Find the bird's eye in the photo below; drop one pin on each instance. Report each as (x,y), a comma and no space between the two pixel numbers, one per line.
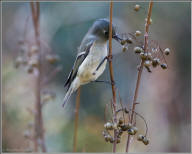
(106,33)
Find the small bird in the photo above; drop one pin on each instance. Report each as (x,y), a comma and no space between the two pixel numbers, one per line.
(91,58)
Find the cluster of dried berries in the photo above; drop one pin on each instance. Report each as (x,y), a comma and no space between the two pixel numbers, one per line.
(143,139)
(125,42)
(150,60)
(30,57)
(123,127)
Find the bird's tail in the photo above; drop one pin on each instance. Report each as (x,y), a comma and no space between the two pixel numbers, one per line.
(67,96)
(73,87)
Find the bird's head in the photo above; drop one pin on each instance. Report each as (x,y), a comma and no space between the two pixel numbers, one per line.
(100,29)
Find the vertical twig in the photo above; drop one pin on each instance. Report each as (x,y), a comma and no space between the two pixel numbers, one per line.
(39,130)
(112,76)
(140,69)
(76,120)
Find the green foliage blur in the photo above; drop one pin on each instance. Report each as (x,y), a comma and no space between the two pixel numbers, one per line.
(164,95)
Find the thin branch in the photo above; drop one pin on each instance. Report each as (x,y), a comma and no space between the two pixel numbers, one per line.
(112,76)
(39,130)
(76,120)
(140,69)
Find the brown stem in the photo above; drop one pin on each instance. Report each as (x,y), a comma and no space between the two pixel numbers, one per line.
(39,130)
(112,76)
(76,120)
(140,69)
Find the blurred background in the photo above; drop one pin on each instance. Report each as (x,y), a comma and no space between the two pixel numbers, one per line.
(164,95)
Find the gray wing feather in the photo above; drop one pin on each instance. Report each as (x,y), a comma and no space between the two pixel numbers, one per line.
(82,54)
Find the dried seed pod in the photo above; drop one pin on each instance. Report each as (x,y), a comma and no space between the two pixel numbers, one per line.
(155,62)
(140,137)
(119,132)
(143,56)
(52,58)
(147,63)
(34,62)
(135,129)
(145,141)
(104,133)
(137,7)
(129,125)
(33,50)
(150,21)
(131,131)
(149,56)
(18,61)
(115,126)
(129,40)
(111,140)
(124,48)
(138,50)
(167,51)
(164,66)
(29,69)
(120,121)
(118,140)
(123,42)
(107,138)
(124,127)
(108,126)
(137,33)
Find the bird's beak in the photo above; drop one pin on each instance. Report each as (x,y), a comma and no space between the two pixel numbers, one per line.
(117,38)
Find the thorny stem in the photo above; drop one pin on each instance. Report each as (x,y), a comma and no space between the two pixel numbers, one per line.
(76,120)
(112,76)
(140,69)
(39,130)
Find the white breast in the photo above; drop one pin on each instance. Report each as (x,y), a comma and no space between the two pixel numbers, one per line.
(87,70)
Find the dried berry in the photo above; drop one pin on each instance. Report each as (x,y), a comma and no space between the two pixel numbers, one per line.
(33,50)
(137,33)
(140,137)
(131,131)
(123,42)
(137,7)
(120,121)
(119,132)
(129,40)
(124,48)
(167,51)
(147,63)
(30,69)
(108,126)
(19,61)
(155,62)
(52,58)
(145,141)
(111,140)
(129,125)
(149,56)
(138,50)
(107,138)
(124,127)
(143,56)
(34,62)
(135,129)
(164,66)
(118,140)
